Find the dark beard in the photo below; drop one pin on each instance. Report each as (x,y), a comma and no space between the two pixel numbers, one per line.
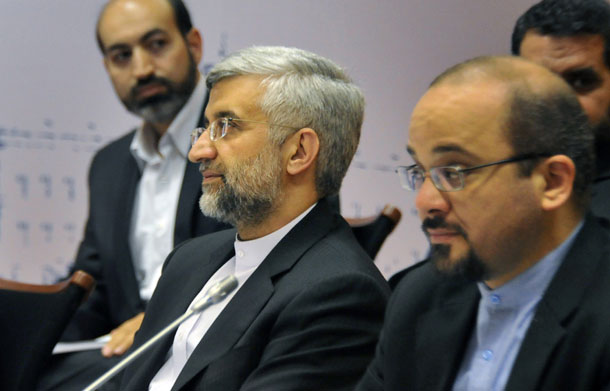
(162,108)
(470,267)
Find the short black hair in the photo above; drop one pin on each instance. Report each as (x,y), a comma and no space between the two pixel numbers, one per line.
(181,16)
(565,18)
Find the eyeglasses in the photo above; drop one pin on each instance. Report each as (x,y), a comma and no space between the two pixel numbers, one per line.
(220,126)
(448,178)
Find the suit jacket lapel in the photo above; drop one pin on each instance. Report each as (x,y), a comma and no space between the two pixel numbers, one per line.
(442,335)
(188,203)
(250,300)
(559,301)
(124,263)
(171,307)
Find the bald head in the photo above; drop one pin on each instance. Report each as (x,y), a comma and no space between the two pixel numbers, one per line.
(535,109)
(513,72)
(180,14)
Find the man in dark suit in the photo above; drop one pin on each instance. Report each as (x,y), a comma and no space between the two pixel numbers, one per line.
(137,212)
(143,191)
(283,127)
(515,293)
(572,39)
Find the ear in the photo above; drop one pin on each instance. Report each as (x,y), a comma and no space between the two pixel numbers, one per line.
(558,173)
(194,42)
(303,148)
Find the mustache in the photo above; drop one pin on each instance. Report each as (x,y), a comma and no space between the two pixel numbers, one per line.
(151,80)
(439,222)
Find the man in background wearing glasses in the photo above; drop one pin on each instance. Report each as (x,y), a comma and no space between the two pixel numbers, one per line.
(281,128)
(515,293)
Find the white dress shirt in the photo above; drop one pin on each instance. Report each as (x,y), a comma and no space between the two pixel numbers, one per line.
(248,256)
(151,236)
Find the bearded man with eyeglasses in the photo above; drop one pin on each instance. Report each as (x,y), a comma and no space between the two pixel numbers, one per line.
(281,128)
(515,293)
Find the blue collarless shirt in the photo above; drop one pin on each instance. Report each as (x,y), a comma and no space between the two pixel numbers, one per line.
(504,315)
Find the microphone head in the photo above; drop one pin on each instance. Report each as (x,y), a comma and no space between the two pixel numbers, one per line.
(216,293)
(222,288)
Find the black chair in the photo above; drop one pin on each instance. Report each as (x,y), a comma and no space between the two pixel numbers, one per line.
(372,231)
(32,319)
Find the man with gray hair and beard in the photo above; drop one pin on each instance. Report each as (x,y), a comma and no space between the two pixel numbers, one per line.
(281,128)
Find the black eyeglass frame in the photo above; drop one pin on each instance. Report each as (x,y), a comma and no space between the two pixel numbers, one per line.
(403,172)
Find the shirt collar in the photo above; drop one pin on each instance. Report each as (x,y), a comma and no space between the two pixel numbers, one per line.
(178,135)
(532,283)
(251,253)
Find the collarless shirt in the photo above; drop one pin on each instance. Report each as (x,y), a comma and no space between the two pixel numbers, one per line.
(503,317)
(248,256)
(151,236)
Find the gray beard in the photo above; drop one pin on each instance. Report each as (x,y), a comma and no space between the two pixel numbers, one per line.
(250,191)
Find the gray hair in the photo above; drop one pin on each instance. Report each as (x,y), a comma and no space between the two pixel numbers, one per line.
(304,90)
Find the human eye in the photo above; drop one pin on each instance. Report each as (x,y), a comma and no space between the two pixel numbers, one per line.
(450,172)
(448,177)
(583,81)
(119,56)
(232,123)
(156,44)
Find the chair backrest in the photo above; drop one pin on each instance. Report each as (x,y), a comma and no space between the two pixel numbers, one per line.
(32,319)
(372,231)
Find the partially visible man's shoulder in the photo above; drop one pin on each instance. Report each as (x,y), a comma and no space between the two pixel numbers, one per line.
(120,145)
(193,249)
(113,158)
(208,241)
(421,274)
(397,277)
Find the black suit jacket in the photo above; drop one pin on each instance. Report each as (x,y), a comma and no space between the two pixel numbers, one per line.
(104,251)
(306,319)
(567,346)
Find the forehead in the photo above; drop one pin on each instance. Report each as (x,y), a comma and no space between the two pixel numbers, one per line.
(561,54)
(125,21)
(236,96)
(462,119)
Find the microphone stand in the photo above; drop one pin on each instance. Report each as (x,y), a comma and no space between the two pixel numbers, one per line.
(214,295)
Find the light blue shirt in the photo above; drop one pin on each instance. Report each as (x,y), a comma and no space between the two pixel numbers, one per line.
(503,318)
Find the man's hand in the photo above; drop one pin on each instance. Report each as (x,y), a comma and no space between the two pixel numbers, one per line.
(121,338)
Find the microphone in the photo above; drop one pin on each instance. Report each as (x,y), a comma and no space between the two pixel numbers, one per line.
(215,294)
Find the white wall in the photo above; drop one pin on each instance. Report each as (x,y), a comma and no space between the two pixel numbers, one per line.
(57,106)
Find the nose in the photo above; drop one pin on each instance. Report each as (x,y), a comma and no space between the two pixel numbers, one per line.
(203,149)
(430,201)
(142,61)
